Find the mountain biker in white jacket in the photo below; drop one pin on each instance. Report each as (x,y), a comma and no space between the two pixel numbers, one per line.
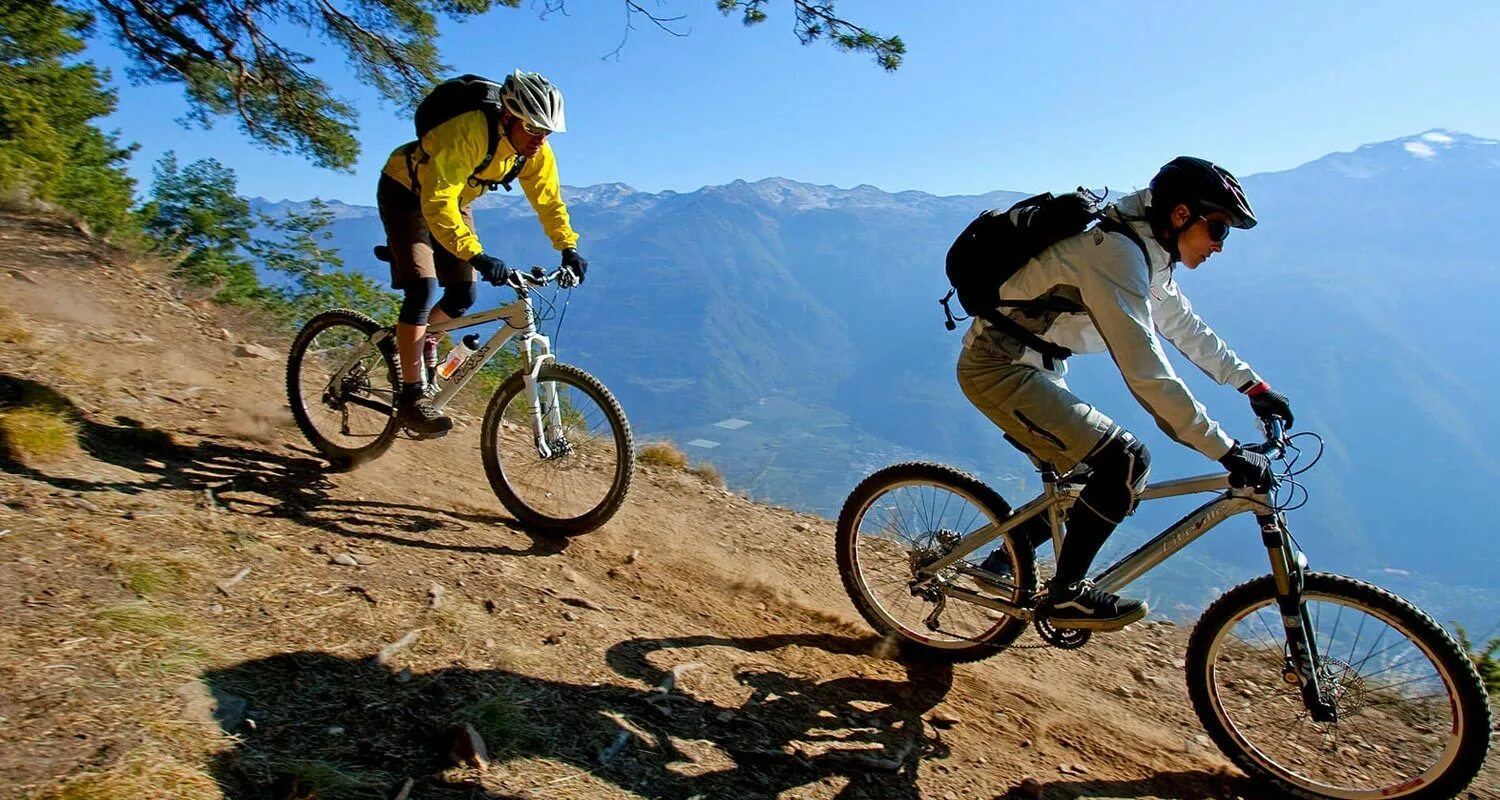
(1120,302)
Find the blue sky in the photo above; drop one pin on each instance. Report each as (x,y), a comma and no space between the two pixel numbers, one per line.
(993,95)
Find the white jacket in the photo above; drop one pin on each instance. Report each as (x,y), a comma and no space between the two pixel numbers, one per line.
(1128,301)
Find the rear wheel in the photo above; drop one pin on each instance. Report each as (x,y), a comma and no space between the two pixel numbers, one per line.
(351,420)
(907,516)
(1413,720)
(580,481)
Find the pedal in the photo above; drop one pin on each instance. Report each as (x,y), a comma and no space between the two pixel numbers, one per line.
(1061,638)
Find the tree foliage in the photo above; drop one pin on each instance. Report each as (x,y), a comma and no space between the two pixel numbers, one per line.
(233,59)
(49,147)
(314,275)
(1486,660)
(196,215)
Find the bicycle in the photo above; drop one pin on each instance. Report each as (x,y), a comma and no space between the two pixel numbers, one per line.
(1320,684)
(554,441)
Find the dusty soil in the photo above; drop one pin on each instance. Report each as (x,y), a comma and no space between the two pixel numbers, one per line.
(140,659)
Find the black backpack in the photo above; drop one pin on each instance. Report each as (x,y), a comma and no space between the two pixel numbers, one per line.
(998,243)
(459,96)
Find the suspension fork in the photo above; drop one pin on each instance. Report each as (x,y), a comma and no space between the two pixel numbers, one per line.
(1288,566)
(534,362)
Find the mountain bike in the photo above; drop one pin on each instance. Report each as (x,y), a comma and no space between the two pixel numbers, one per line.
(555,444)
(1320,684)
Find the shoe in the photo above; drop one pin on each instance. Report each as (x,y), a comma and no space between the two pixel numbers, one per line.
(1080,605)
(998,573)
(417,415)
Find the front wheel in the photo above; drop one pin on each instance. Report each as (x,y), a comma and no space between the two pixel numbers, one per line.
(1413,719)
(572,477)
(907,516)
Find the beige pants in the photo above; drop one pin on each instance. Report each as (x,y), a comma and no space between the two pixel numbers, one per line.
(1032,405)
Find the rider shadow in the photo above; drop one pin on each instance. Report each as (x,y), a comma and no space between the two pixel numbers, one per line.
(242,479)
(326,724)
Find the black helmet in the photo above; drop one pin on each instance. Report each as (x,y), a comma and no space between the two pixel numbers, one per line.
(1204,186)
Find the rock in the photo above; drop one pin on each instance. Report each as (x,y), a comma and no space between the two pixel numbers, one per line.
(635,555)
(434,596)
(397,646)
(950,795)
(580,602)
(468,749)
(228,583)
(226,335)
(82,227)
(404,676)
(79,502)
(570,616)
(23,277)
(944,719)
(800,527)
(216,609)
(335,730)
(405,791)
(1072,769)
(1025,743)
(725,716)
(1124,691)
(252,350)
(345,559)
(1029,788)
(490,606)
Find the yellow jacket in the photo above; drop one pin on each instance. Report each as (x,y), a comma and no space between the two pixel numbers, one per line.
(442,167)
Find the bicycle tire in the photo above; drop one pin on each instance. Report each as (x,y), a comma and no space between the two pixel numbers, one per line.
(531,517)
(910,641)
(1462,757)
(338,454)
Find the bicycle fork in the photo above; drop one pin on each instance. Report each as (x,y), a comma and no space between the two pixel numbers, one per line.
(1288,566)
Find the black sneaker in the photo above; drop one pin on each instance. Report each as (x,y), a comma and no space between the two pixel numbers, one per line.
(417,415)
(998,573)
(1083,606)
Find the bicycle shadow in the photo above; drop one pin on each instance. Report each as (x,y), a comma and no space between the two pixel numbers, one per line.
(244,479)
(389,726)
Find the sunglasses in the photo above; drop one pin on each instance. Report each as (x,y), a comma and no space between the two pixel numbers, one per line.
(532,130)
(1218,230)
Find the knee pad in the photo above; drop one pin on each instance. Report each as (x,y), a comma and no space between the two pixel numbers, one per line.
(458,298)
(417,302)
(1121,466)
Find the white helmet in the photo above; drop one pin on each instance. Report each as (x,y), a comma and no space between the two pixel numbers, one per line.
(535,100)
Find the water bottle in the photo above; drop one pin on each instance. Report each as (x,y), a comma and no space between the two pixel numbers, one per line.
(458,355)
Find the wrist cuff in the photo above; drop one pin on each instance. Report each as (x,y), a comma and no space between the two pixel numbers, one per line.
(1257,388)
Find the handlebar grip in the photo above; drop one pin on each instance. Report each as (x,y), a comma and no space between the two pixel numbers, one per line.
(1275,427)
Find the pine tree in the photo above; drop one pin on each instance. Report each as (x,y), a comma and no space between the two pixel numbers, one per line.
(49,148)
(315,278)
(195,214)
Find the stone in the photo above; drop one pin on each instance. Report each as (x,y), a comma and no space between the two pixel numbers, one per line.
(1029,788)
(1124,691)
(23,277)
(346,560)
(468,748)
(944,719)
(635,555)
(253,350)
(570,616)
(434,596)
(580,602)
(800,527)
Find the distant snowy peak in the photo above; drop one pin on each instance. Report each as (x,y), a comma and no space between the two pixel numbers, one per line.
(1436,146)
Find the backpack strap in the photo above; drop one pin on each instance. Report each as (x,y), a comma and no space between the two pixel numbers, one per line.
(492,118)
(1112,225)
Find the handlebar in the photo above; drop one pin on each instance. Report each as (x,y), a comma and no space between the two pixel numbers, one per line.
(535,277)
(1275,444)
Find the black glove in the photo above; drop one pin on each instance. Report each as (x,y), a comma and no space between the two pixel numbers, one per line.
(490,268)
(1246,468)
(575,263)
(1270,403)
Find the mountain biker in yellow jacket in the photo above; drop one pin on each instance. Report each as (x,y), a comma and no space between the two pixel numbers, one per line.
(425,195)
(1125,296)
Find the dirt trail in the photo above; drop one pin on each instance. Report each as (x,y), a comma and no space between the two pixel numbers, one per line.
(138,654)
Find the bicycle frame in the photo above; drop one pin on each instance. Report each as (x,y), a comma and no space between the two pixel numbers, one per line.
(1287,563)
(517,319)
